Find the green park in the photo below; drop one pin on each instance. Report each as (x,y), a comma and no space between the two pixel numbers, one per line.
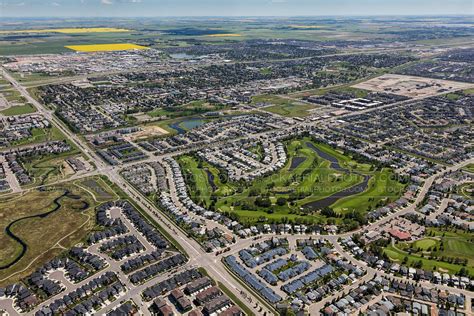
(308,189)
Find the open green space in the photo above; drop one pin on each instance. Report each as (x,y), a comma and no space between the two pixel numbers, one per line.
(470,167)
(443,251)
(189,109)
(466,190)
(48,168)
(197,175)
(282,196)
(19,110)
(358,93)
(284,106)
(383,188)
(39,135)
(70,220)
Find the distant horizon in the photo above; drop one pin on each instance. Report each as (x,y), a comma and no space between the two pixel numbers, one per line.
(239,16)
(231,8)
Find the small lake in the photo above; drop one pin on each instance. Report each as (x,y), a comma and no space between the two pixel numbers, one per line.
(182,126)
(296,161)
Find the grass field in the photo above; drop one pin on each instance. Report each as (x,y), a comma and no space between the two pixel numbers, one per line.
(189,109)
(39,135)
(470,167)
(198,176)
(467,190)
(47,236)
(19,110)
(450,245)
(359,93)
(291,109)
(383,188)
(49,168)
(312,180)
(104,47)
(69,30)
(284,106)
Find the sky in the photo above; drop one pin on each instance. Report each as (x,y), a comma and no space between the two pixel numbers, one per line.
(156,8)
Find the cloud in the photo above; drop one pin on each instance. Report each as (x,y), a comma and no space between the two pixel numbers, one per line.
(107,2)
(55,4)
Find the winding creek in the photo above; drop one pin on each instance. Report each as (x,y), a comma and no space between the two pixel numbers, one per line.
(24,246)
(328,201)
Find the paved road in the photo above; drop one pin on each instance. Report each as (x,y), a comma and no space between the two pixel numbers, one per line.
(198,257)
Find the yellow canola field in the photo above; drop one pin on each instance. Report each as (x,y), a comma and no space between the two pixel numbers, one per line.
(225,35)
(70,30)
(104,47)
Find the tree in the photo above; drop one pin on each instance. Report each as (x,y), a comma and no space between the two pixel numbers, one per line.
(263,201)
(281,201)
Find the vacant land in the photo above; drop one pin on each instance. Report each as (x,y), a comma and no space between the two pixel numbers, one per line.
(97,187)
(104,47)
(67,215)
(291,109)
(49,168)
(284,106)
(411,86)
(19,110)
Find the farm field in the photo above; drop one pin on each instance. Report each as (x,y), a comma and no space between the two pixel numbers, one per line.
(68,30)
(67,216)
(444,251)
(53,43)
(295,193)
(104,47)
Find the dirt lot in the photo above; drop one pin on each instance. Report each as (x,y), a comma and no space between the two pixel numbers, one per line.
(411,86)
(147,131)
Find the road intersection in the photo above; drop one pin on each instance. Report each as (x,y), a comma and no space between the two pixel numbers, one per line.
(197,255)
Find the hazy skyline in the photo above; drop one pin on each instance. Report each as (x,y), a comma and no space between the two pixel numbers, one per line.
(150,8)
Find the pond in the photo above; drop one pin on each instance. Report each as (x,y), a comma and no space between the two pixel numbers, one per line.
(355,189)
(182,126)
